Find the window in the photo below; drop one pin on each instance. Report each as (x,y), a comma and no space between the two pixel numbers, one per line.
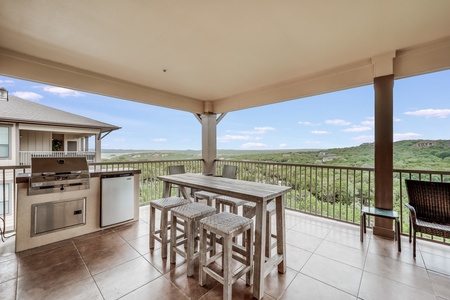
(7,202)
(4,142)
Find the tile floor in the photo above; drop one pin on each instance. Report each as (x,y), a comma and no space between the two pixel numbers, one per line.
(325,260)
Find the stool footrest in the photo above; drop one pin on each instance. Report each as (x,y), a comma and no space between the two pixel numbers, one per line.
(272,263)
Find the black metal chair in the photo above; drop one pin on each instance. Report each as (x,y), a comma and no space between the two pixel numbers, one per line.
(429,209)
(173,170)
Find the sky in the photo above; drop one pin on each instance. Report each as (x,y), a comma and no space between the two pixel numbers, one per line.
(333,120)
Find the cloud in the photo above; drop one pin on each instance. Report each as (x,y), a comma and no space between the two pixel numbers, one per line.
(283,145)
(267,128)
(159,140)
(7,81)
(28,96)
(258,130)
(430,113)
(337,122)
(319,132)
(118,140)
(364,138)
(370,121)
(405,136)
(229,137)
(357,128)
(62,92)
(254,146)
(307,123)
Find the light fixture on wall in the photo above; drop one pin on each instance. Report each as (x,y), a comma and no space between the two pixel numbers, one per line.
(3,94)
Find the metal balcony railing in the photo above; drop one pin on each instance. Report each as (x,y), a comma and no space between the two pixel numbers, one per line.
(327,191)
(25,156)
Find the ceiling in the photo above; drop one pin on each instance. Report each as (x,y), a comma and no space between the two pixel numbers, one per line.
(219,56)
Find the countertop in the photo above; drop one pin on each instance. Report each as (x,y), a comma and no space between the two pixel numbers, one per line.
(24,177)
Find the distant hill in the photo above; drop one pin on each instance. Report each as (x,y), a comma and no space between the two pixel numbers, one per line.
(408,154)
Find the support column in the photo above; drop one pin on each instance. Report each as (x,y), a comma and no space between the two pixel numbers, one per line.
(86,143)
(384,141)
(98,148)
(209,142)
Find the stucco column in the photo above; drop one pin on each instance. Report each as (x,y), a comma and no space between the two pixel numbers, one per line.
(384,142)
(209,142)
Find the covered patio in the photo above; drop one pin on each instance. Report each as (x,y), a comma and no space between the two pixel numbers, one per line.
(215,58)
(325,261)
(211,59)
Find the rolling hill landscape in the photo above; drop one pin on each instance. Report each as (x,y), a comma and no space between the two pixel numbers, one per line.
(408,154)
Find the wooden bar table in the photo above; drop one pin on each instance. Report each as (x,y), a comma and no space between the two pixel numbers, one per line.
(260,193)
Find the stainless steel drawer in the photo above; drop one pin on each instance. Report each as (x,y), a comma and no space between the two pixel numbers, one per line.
(57,215)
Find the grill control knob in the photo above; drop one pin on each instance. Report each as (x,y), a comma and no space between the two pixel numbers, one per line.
(61,188)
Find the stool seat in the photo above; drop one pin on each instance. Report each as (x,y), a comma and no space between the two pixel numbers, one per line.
(205,195)
(164,205)
(232,202)
(225,222)
(190,213)
(226,225)
(169,202)
(193,210)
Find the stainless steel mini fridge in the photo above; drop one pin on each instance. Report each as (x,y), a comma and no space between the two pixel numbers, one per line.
(117,199)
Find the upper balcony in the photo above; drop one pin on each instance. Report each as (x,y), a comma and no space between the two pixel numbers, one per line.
(25,156)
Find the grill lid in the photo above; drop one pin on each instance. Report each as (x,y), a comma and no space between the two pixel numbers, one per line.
(58,165)
(57,174)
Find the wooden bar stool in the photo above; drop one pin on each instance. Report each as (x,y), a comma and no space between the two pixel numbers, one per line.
(164,205)
(231,202)
(190,214)
(249,212)
(205,195)
(228,226)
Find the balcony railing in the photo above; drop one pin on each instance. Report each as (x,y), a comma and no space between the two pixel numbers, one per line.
(25,156)
(327,191)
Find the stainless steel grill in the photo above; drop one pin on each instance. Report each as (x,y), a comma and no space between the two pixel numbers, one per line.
(58,174)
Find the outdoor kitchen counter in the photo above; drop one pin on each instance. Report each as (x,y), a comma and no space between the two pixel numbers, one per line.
(105,172)
(25,241)
(25,177)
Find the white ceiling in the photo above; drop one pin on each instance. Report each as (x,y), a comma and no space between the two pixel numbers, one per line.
(211,50)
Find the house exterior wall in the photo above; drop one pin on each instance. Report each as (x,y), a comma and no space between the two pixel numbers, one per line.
(34,137)
(35,140)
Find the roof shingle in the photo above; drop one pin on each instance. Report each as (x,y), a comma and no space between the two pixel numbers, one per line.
(18,110)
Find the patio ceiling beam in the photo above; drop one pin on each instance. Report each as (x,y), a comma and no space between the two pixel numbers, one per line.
(420,59)
(31,68)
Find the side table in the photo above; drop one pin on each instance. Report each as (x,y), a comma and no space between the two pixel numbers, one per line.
(383,213)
